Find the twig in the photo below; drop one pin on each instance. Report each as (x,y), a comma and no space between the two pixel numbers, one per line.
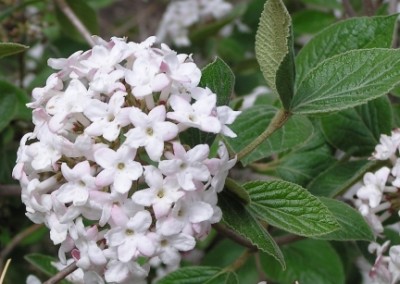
(369,7)
(62,274)
(284,240)
(225,231)
(3,274)
(10,190)
(348,9)
(393,6)
(393,10)
(239,261)
(75,21)
(16,240)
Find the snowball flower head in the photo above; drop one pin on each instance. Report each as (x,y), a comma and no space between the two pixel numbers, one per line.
(105,167)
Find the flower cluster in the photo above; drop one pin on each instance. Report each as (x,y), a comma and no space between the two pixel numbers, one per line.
(377,200)
(105,169)
(181,15)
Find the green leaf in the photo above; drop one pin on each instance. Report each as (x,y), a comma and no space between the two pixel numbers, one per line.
(324,3)
(8,103)
(311,21)
(10,48)
(339,177)
(7,156)
(274,49)
(226,252)
(42,262)
(352,225)
(86,15)
(357,130)
(308,262)
(219,78)
(239,218)
(302,165)
(228,277)
(253,121)
(22,112)
(196,275)
(290,207)
(355,33)
(347,80)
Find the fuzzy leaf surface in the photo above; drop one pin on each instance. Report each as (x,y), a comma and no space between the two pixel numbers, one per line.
(347,80)
(355,33)
(290,207)
(274,49)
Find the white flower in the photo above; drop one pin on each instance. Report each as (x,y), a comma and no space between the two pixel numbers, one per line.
(185,212)
(186,166)
(90,254)
(387,146)
(131,239)
(79,182)
(374,186)
(394,263)
(73,100)
(200,115)
(107,118)
(145,77)
(161,194)
(169,247)
(219,168)
(119,168)
(227,116)
(150,131)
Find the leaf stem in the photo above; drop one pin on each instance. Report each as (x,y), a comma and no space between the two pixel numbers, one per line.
(69,13)
(240,261)
(237,190)
(62,274)
(277,122)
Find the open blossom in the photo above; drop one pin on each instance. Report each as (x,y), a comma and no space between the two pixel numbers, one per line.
(377,201)
(104,168)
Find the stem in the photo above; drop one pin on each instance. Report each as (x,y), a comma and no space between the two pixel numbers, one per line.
(240,261)
(69,13)
(225,231)
(16,240)
(348,9)
(393,6)
(369,9)
(277,122)
(237,190)
(62,274)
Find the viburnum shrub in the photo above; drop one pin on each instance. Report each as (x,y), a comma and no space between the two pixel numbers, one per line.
(147,169)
